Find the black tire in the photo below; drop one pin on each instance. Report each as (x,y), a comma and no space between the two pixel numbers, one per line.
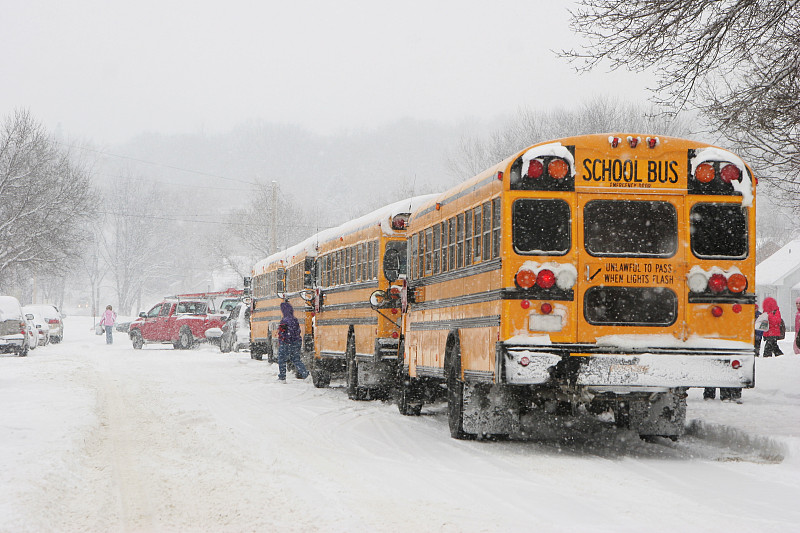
(136,339)
(408,401)
(55,340)
(223,346)
(185,339)
(256,351)
(272,355)
(320,377)
(23,352)
(455,394)
(354,392)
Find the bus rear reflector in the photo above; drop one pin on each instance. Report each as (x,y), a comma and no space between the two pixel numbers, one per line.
(716,311)
(736,364)
(546,308)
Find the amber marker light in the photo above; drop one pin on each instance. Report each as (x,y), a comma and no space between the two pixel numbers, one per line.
(704,173)
(737,283)
(558,169)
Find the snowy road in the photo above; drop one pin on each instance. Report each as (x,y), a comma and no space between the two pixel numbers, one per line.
(105,438)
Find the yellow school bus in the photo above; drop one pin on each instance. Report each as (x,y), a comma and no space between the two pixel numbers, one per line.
(283,276)
(611,272)
(351,336)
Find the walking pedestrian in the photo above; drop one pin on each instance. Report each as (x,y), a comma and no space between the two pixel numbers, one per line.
(109,317)
(758,334)
(772,335)
(289,341)
(796,345)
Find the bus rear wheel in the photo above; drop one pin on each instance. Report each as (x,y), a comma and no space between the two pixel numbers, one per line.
(455,396)
(354,392)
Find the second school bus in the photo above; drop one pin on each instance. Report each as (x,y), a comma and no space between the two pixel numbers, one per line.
(606,271)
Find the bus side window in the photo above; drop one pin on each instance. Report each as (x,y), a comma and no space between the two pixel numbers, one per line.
(460,240)
(375,252)
(487,231)
(444,246)
(468,239)
(477,232)
(452,243)
(436,235)
(496,227)
(428,249)
(414,274)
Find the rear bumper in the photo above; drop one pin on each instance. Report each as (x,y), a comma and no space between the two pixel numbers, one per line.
(621,372)
(11,343)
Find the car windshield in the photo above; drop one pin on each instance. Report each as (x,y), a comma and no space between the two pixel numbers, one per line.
(191,308)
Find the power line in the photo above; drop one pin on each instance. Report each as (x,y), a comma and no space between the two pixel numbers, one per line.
(156,164)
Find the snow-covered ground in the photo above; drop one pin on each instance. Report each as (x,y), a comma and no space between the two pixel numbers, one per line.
(106,438)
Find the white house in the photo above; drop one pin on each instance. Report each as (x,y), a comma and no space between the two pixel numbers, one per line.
(779,276)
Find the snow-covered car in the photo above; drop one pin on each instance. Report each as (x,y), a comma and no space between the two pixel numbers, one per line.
(54,321)
(33,333)
(236,330)
(13,327)
(42,327)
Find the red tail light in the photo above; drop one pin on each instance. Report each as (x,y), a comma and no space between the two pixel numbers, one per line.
(730,173)
(525,304)
(535,169)
(546,308)
(717,283)
(736,364)
(526,278)
(545,279)
(716,311)
(53,321)
(23,328)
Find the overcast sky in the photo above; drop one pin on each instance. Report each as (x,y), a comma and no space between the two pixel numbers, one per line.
(106,71)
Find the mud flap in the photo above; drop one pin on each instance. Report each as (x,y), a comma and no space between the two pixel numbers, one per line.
(662,414)
(374,375)
(490,409)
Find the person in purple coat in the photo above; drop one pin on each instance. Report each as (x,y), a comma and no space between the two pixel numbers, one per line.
(289,341)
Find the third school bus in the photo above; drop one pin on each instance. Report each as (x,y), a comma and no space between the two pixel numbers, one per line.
(606,271)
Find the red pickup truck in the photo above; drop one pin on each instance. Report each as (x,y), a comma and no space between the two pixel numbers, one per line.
(179,322)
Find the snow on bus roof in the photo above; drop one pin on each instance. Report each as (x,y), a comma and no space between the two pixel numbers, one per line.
(381,217)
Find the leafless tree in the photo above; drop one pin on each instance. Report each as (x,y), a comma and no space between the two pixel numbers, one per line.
(135,236)
(738,61)
(598,115)
(46,199)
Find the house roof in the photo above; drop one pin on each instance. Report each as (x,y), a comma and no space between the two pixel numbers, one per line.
(774,268)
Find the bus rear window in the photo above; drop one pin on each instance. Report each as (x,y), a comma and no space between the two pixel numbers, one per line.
(630,228)
(630,306)
(718,230)
(541,227)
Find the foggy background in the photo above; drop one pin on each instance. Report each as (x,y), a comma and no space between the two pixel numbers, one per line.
(184,113)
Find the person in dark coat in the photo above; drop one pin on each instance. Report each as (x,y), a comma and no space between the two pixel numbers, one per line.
(771,335)
(289,341)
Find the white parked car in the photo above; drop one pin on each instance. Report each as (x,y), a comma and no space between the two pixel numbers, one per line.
(13,327)
(53,317)
(42,327)
(33,333)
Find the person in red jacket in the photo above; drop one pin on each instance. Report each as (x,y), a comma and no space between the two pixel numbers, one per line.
(770,307)
(796,346)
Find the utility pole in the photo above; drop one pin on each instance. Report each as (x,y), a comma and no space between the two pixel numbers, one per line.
(274,217)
